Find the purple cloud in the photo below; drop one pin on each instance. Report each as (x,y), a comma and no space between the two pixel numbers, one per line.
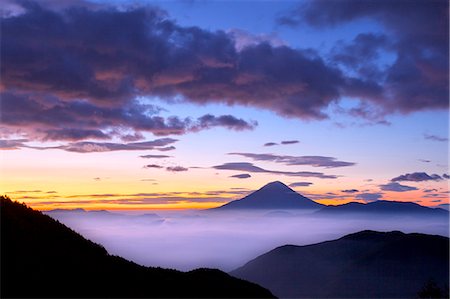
(289,142)
(418,77)
(446,176)
(12,144)
(270,144)
(424,160)
(50,118)
(249,167)
(315,161)
(396,187)
(300,184)
(93,87)
(228,121)
(91,147)
(153,166)
(350,191)
(417,177)
(435,138)
(241,176)
(176,168)
(368,197)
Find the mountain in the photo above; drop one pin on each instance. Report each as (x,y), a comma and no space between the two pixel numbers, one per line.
(366,264)
(444,206)
(274,195)
(40,257)
(382,207)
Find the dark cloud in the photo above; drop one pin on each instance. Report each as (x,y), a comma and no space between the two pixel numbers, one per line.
(430,190)
(75,61)
(153,166)
(446,176)
(97,179)
(315,161)
(74,134)
(300,184)
(241,176)
(176,168)
(270,144)
(228,121)
(50,118)
(416,33)
(166,149)
(417,177)
(12,144)
(350,191)
(289,142)
(155,156)
(396,187)
(424,160)
(249,167)
(368,197)
(435,138)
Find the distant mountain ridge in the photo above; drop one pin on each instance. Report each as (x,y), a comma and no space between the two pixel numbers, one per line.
(40,257)
(383,207)
(366,264)
(274,195)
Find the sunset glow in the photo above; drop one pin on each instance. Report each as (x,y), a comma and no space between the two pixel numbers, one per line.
(189,105)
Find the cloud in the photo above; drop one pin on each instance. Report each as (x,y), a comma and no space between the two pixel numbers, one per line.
(368,197)
(300,184)
(153,166)
(176,168)
(149,55)
(165,149)
(88,147)
(446,176)
(417,177)
(435,138)
(289,142)
(91,147)
(315,161)
(12,144)
(417,79)
(74,134)
(396,187)
(430,190)
(155,156)
(241,176)
(249,167)
(228,121)
(424,160)
(270,144)
(49,118)
(350,191)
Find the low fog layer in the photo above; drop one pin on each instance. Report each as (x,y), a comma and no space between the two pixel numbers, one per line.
(192,239)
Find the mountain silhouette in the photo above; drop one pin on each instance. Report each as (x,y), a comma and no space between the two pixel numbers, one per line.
(40,257)
(382,207)
(274,195)
(366,264)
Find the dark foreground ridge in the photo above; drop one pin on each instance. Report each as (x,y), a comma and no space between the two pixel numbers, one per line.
(274,195)
(41,257)
(366,264)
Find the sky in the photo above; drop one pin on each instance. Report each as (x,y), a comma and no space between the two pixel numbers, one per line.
(190,104)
